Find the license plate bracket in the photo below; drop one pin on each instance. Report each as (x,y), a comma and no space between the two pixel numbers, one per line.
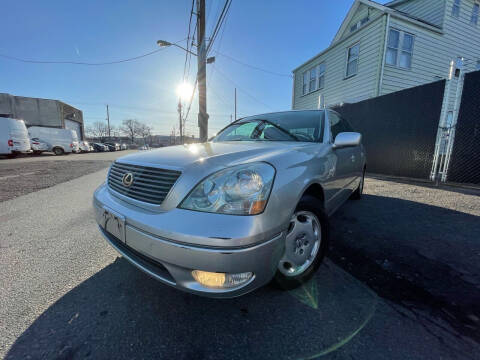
(113,223)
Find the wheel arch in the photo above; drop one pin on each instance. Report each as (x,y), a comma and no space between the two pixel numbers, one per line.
(316,190)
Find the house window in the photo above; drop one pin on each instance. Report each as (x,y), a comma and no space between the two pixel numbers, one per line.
(321,76)
(305,83)
(399,49)
(359,24)
(352,60)
(313,80)
(475,11)
(456,8)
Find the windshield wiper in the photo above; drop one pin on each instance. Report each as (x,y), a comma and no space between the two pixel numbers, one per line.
(280,128)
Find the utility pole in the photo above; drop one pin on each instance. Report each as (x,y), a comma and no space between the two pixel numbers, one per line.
(202,73)
(108,122)
(180,119)
(235,104)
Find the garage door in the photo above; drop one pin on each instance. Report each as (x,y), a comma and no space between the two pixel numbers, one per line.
(73,125)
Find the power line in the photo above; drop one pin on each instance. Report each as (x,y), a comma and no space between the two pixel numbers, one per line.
(219,45)
(220,21)
(188,54)
(253,66)
(242,90)
(83,63)
(191,101)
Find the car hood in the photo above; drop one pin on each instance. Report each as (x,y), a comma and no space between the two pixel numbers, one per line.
(215,154)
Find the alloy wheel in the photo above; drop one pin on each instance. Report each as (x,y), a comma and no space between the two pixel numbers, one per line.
(302,243)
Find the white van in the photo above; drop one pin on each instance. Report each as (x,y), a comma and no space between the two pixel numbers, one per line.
(13,137)
(60,141)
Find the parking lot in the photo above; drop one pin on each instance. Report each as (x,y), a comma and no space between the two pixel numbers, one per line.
(32,173)
(402,280)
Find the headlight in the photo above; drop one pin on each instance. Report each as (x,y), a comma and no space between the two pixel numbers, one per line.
(239,190)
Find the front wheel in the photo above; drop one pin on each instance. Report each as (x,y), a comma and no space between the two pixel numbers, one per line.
(305,244)
(58,151)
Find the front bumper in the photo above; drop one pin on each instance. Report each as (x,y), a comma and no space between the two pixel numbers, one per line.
(172,260)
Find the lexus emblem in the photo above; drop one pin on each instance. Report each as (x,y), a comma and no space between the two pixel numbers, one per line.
(127,179)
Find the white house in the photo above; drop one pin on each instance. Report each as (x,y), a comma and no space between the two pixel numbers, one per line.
(380,49)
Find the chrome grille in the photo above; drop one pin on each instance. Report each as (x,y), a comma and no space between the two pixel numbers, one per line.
(149,185)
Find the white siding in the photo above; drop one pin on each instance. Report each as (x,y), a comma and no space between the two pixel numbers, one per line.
(338,89)
(433,52)
(461,37)
(428,10)
(362,12)
(430,59)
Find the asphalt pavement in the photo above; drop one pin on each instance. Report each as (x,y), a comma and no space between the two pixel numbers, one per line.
(65,294)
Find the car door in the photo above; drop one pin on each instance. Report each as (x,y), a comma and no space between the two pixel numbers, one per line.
(343,169)
(356,158)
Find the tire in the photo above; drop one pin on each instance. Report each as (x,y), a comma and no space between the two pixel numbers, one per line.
(36,152)
(357,194)
(300,246)
(58,151)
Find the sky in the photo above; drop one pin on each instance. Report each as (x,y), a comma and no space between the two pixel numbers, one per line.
(273,35)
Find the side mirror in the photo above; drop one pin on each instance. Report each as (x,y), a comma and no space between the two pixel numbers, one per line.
(346,139)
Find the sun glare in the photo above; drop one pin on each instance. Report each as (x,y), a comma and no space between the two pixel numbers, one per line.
(184,90)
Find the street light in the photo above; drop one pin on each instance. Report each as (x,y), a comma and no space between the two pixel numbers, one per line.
(164,43)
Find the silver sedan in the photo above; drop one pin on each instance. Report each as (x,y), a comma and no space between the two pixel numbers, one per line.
(225,217)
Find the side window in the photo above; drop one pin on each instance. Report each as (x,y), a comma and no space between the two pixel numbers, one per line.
(336,126)
(346,125)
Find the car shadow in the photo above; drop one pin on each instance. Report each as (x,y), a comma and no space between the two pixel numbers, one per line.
(122,313)
(421,256)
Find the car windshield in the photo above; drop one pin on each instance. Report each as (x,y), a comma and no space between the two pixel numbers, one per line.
(305,126)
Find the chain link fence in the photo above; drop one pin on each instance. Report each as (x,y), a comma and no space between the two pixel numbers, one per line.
(399,129)
(464,134)
(429,132)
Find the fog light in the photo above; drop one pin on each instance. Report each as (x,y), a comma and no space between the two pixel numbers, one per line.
(221,280)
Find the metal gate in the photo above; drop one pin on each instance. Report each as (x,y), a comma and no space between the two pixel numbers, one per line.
(464,162)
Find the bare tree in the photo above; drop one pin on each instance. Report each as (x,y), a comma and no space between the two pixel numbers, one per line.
(98,130)
(144,131)
(130,128)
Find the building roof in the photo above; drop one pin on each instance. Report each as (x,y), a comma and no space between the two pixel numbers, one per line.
(388,9)
(385,10)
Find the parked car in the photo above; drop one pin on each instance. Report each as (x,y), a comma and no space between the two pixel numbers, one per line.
(38,146)
(60,141)
(110,147)
(225,217)
(114,146)
(13,137)
(84,146)
(124,147)
(98,147)
(144,147)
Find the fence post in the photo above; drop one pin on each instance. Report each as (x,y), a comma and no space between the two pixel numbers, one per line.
(442,121)
(451,137)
